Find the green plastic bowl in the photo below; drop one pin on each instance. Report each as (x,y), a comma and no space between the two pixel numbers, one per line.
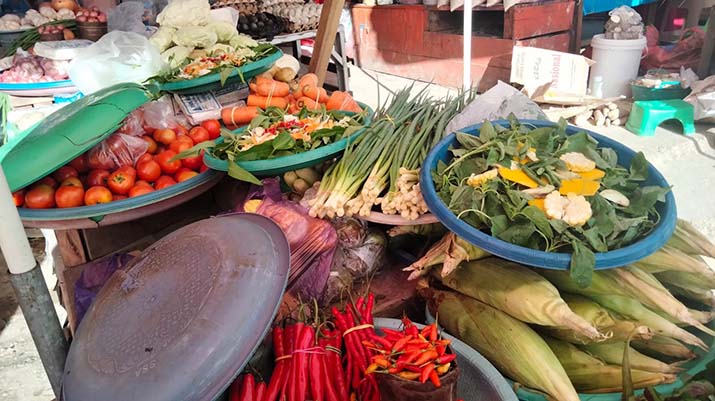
(280,165)
(646,93)
(213,81)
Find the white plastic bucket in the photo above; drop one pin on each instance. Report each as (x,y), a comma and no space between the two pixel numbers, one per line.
(617,63)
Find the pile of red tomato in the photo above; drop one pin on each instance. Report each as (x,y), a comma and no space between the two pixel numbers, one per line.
(78,184)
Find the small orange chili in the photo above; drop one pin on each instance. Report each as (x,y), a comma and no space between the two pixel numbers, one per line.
(426,356)
(435,379)
(432,333)
(443,342)
(381,361)
(371,369)
(408,375)
(400,344)
(442,369)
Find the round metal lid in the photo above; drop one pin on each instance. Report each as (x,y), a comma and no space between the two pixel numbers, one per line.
(184,318)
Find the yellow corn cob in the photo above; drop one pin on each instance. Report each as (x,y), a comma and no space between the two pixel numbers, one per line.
(449,252)
(633,309)
(512,346)
(691,241)
(613,354)
(519,292)
(591,375)
(666,346)
(616,330)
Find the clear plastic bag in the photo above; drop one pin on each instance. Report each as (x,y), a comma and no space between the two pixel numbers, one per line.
(116,151)
(160,115)
(127,17)
(624,23)
(116,57)
(133,124)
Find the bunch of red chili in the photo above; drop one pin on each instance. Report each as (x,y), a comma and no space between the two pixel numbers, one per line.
(411,354)
(245,388)
(356,327)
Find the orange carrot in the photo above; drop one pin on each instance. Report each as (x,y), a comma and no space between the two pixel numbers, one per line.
(266,101)
(317,94)
(342,101)
(238,116)
(298,93)
(253,87)
(272,88)
(308,79)
(308,103)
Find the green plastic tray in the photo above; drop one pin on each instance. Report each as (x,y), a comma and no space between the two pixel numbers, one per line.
(280,165)
(213,81)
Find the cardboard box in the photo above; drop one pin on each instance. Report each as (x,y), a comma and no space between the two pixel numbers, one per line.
(549,75)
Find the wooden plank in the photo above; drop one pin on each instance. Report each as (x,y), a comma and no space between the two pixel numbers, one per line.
(71,247)
(558,42)
(531,20)
(325,39)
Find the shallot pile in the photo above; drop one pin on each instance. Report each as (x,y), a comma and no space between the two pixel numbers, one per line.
(27,68)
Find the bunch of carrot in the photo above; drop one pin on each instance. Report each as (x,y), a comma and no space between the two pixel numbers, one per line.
(306,92)
(411,354)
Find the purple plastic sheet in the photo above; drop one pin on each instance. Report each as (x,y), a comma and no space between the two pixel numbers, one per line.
(93,278)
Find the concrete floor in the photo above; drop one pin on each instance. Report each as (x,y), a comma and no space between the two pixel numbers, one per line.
(687,162)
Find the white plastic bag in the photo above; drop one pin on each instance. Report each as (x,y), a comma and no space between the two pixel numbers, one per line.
(116,57)
(127,17)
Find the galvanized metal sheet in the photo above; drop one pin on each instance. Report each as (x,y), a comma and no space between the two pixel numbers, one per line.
(182,320)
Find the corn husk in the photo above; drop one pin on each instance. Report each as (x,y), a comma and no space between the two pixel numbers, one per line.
(689,240)
(692,285)
(665,346)
(613,354)
(615,330)
(671,259)
(449,252)
(511,345)
(633,309)
(591,375)
(701,316)
(519,292)
(632,282)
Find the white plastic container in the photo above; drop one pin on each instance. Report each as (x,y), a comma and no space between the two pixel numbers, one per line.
(617,63)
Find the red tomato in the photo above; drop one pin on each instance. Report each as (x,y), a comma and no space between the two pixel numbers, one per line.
(193,163)
(97,178)
(144,158)
(97,195)
(184,175)
(128,170)
(120,182)
(139,190)
(72,182)
(199,134)
(181,144)
(149,171)
(64,173)
(118,197)
(181,130)
(142,182)
(69,196)
(49,181)
(41,196)
(163,182)
(213,127)
(167,166)
(19,197)
(165,136)
(80,163)
(151,148)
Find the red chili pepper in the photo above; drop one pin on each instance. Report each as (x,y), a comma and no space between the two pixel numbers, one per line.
(399,367)
(317,380)
(447,358)
(296,360)
(247,388)
(306,340)
(381,341)
(369,344)
(443,342)
(390,332)
(412,330)
(419,342)
(260,392)
(411,357)
(441,349)
(331,382)
(399,345)
(413,368)
(426,372)
(426,356)
(381,361)
(341,387)
(368,308)
(276,383)
(432,333)
(425,331)
(434,378)
(234,390)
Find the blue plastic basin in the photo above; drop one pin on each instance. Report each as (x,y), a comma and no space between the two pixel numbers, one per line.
(549,260)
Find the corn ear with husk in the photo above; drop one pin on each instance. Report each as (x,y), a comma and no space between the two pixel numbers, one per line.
(613,354)
(591,375)
(691,285)
(665,346)
(690,240)
(519,292)
(449,252)
(633,309)
(511,345)
(615,329)
(670,259)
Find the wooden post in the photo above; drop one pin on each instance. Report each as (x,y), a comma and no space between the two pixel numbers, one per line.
(577,30)
(706,55)
(325,39)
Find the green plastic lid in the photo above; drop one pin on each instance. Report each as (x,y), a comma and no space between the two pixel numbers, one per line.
(69,132)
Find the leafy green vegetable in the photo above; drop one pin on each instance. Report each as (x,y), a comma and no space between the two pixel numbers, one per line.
(502,208)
